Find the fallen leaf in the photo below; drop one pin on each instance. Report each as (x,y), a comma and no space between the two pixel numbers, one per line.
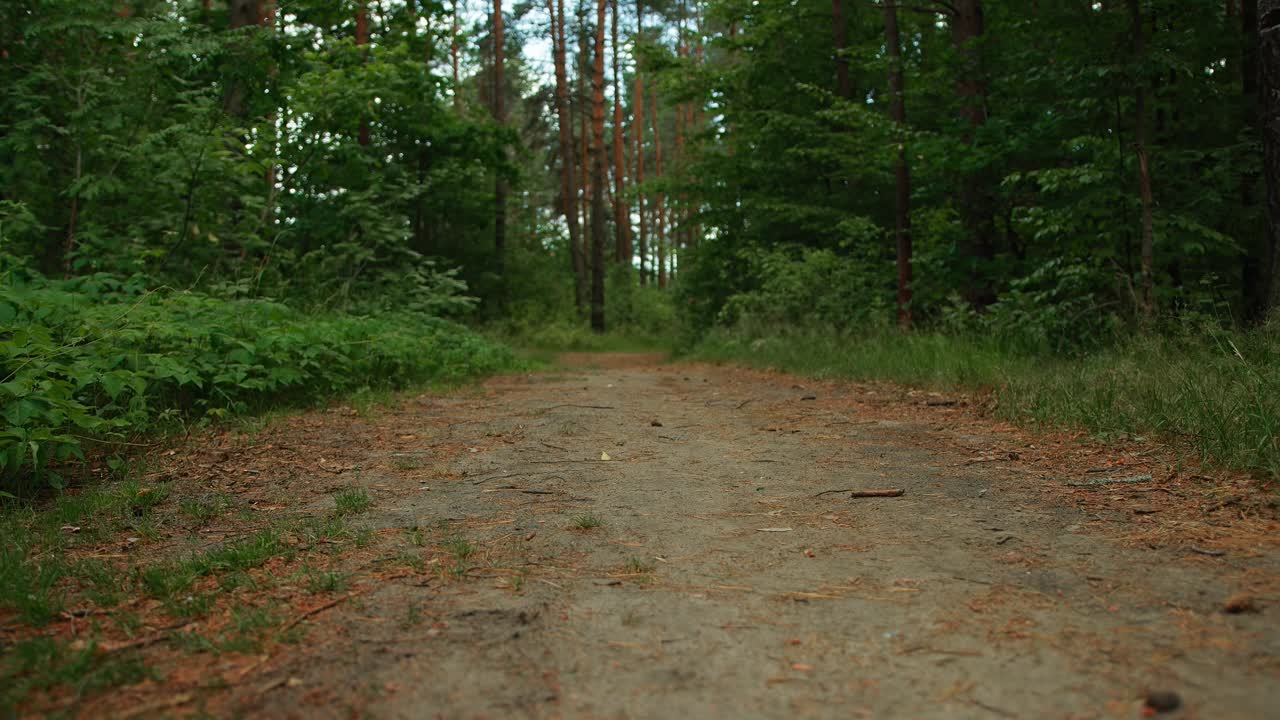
(605,456)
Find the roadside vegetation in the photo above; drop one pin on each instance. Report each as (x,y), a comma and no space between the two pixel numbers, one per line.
(1214,395)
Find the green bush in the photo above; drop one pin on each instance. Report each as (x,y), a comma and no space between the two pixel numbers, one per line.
(92,360)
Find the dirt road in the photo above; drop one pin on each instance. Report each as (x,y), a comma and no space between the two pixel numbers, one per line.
(644,541)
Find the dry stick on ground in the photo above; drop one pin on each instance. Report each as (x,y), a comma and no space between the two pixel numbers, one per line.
(588,407)
(896,492)
(558,462)
(1210,553)
(1111,481)
(315,611)
(161,634)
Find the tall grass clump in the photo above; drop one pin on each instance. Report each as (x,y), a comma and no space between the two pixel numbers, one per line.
(1216,392)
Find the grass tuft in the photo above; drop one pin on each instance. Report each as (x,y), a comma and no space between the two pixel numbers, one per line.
(1216,394)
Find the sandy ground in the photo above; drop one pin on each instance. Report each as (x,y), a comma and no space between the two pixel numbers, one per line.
(721,582)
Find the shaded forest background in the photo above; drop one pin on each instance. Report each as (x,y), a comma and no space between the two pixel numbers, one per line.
(211,207)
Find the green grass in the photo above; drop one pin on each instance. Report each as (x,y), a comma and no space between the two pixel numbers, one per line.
(351,501)
(636,566)
(586,522)
(1216,395)
(42,664)
(460,548)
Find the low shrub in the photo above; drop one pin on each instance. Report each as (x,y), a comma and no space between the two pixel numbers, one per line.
(94,360)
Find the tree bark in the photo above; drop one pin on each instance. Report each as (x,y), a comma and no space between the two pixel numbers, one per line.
(362,41)
(622,213)
(902,205)
(1269,85)
(968,29)
(1257,277)
(454,51)
(843,89)
(660,239)
(568,161)
(597,174)
(637,106)
(241,14)
(499,115)
(1146,301)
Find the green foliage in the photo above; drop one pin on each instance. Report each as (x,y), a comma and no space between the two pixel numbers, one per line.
(351,501)
(93,360)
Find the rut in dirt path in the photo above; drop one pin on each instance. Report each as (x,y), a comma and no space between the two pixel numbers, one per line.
(698,572)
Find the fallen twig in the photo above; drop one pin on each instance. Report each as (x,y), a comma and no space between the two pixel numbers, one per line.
(585,407)
(896,492)
(151,639)
(1111,481)
(154,707)
(560,462)
(315,611)
(832,492)
(1210,553)
(744,403)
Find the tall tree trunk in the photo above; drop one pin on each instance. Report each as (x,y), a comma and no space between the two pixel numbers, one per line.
(597,174)
(621,213)
(1257,276)
(1269,82)
(968,29)
(1146,301)
(902,205)
(568,161)
(454,51)
(584,111)
(637,106)
(362,41)
(241,14)
(660,239)
(499,115)
(843,87)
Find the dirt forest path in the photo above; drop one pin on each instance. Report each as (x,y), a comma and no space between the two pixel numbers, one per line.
(636,540)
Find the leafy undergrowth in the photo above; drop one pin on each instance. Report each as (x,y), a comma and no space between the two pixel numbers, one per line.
(91,361)
(1215,395)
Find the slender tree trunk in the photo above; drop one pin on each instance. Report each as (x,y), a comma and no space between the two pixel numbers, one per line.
(585,170)
(1257,276)
(568,161)
(499,115)
(454,51)
(241,14)
(1146,302)
(968,29)
(1269,85)
(843,87)
(597,174)
(902,205)
(621,213)
(362,41)
(660,238)
(637,105)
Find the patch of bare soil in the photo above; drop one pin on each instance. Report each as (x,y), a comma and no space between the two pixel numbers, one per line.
(644,541)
